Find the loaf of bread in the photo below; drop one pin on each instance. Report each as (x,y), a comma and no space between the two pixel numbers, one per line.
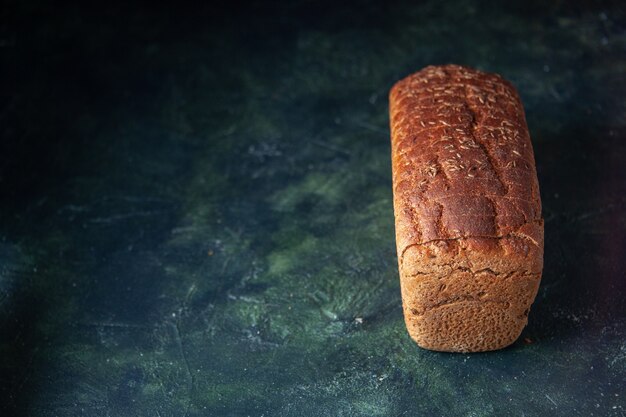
(469,231)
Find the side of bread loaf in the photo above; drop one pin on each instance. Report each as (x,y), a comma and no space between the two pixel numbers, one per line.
(469,231)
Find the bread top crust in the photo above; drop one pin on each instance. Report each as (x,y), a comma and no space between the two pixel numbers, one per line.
(464,172)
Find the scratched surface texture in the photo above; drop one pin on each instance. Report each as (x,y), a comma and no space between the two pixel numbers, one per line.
(196,212)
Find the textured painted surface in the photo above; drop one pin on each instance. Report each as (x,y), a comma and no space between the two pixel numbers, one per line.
(196,211)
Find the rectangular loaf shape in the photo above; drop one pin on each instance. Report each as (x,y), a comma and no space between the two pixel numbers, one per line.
(469,231)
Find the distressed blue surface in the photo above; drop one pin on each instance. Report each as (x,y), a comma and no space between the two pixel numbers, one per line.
(196,213)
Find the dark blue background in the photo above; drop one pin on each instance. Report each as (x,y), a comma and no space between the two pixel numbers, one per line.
(196,210)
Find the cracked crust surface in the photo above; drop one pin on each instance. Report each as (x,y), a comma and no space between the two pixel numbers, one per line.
(469,231)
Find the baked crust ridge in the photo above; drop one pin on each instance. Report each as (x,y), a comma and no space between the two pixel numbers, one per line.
(469,230)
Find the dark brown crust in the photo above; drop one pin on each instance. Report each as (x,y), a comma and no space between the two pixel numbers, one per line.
(469,230)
